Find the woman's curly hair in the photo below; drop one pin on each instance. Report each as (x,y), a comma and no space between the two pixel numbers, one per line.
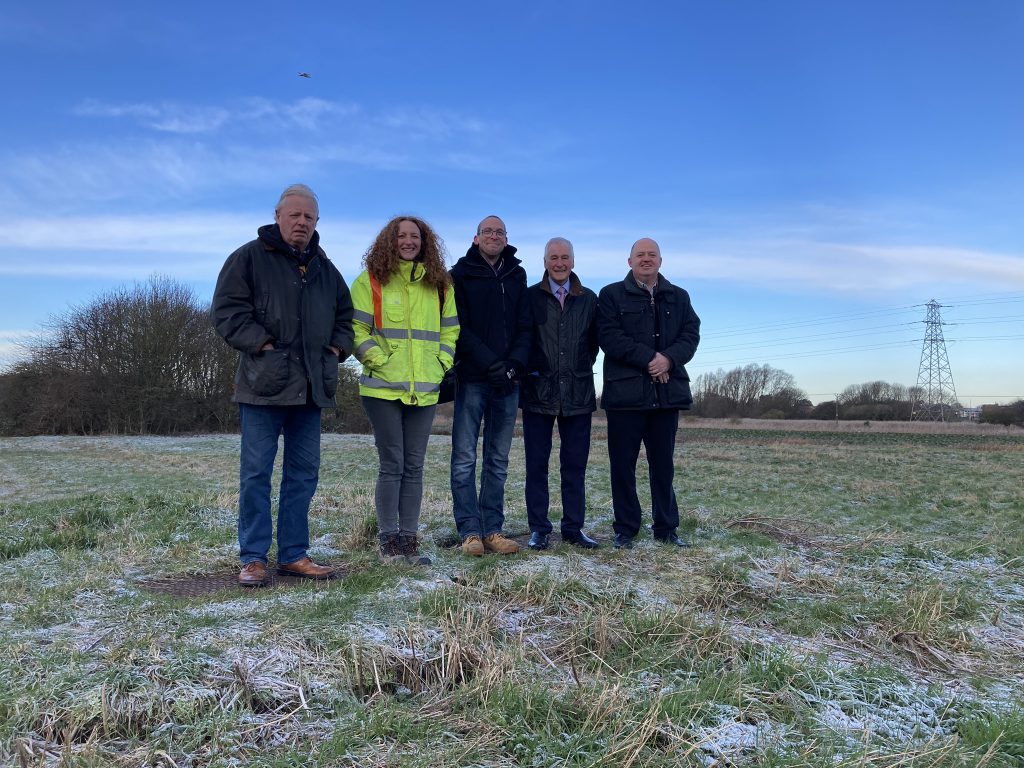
(381,259)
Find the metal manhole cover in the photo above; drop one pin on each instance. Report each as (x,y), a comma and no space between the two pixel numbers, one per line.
(204,584)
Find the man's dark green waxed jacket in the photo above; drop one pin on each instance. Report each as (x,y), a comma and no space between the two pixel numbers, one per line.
(268,292)
(560,372)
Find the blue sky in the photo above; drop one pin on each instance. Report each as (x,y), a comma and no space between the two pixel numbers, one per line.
(814,171)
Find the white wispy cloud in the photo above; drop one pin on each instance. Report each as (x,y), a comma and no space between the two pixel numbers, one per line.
(178,117)
(187,246)
(193,149)
(191,244)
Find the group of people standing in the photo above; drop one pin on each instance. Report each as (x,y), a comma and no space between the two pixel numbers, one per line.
(288,311)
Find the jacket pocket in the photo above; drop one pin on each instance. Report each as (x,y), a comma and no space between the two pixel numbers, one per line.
(677,391)
(330,364)
(583,391)
(266,373)
(627,388)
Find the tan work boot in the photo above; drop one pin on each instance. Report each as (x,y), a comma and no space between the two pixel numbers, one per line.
(500,545)
(472,546)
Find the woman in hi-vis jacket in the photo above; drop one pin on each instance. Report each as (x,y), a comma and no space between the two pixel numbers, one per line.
(406,327)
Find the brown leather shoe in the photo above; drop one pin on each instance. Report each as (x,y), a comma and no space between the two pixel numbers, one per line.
(253,574)
(306,569)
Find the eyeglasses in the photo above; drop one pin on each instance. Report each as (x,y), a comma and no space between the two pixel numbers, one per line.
(493,232)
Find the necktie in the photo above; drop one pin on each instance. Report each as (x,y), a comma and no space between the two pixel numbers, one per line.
(561,296)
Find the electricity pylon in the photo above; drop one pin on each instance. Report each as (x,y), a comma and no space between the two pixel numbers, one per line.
(935,395)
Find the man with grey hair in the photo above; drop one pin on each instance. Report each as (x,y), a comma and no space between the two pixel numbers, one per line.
(559,387)
(286,308)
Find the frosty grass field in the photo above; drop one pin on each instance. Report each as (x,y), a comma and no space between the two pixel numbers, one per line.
(853,598)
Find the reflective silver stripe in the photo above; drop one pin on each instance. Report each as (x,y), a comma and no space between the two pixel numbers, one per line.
(370,381)
(363,317)
(448,322)
(418,386)
(401,333)
(449,350)
(366,345)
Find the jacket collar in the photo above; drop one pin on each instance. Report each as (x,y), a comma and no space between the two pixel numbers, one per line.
(410,271)
(270,236)
(508,260)
(575,286)
(632,286)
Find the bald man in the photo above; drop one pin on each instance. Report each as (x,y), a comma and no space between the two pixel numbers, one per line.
(648,331)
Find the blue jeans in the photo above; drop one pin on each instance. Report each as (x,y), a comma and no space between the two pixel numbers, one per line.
(261,427)
(476,403)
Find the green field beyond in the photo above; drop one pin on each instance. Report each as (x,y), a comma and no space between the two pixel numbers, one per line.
(852,599)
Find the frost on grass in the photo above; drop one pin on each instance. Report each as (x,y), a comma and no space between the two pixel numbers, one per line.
(731,739)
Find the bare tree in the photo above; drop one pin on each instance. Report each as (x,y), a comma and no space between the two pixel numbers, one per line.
(750,390)
(136,360)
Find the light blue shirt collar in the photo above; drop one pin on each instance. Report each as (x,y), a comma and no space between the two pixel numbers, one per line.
(556,285)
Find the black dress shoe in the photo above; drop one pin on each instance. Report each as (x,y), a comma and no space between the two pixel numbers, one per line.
(672,539)
(622,541)
(580,539)
(539,540)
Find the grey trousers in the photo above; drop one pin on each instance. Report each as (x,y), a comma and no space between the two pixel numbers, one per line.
(401,432)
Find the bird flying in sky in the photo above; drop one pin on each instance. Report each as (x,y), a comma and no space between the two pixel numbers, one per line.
(304,74)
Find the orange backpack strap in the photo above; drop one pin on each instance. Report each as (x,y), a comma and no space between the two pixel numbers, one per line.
(378,313)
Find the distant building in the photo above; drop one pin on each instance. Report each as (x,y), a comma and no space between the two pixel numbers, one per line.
(970,414)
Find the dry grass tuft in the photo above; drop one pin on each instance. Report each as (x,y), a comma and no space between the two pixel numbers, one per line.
(785,529)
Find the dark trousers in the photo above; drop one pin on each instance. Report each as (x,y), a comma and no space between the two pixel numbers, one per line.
(401,433)
(574,433)
(656,429)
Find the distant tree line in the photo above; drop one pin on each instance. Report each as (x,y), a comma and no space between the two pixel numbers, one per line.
(141,360)
(764,392)
(1004,414)
(146,360)
(756,391)
(870,401)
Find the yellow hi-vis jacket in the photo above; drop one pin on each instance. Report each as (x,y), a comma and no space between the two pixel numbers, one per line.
(405,339)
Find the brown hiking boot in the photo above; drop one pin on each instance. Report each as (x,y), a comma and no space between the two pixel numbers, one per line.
(500,545)
(390,548)
(253,574)
(411,549)
(473,546)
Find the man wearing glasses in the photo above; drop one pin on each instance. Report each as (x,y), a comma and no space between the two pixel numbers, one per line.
(494,344)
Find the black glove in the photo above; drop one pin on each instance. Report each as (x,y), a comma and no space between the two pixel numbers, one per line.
(496,374)
(502,377)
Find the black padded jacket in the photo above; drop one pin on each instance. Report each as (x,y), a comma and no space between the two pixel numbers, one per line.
(631,326)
